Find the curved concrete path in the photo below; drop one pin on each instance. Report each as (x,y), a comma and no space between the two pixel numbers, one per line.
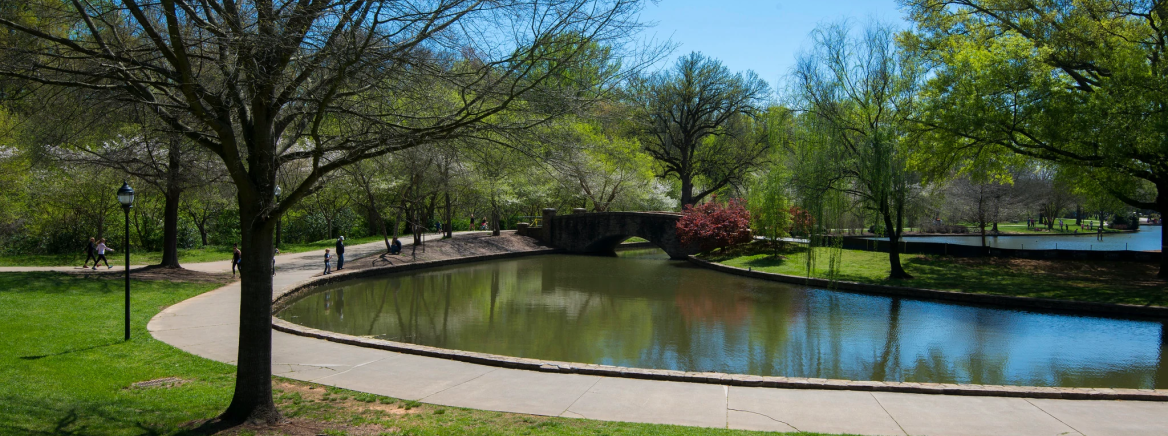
(207,326)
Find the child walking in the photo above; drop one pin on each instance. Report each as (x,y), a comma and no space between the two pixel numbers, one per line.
(328,264)
(101,249)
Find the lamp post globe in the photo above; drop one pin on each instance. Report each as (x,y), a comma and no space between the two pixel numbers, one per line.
(126,195)
(126,198)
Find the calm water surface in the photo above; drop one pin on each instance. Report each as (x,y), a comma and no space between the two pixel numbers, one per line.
(1147,239)
(643,310)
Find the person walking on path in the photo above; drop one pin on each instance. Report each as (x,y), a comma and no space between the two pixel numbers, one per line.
(236,256)
(274,254)
(340,253)
(90,249)
(101,249)
(328,264)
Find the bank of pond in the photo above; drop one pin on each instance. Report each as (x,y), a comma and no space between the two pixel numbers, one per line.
(642,310)
(1148,238)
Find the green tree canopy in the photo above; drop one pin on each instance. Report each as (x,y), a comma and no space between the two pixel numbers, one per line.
(1080,83)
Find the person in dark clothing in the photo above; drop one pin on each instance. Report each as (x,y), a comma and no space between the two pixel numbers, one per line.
(236,256)
(340,253)
(90,250)
(395,246)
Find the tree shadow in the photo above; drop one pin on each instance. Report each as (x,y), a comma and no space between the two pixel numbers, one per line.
(47,417)
(92,347)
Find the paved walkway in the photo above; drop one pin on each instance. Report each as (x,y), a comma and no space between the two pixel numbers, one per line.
(207,326)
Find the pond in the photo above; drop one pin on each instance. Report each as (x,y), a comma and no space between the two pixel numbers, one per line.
(1147,239)
(642,310)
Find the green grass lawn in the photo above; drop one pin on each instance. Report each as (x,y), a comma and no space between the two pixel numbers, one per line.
(65,370)
(1020,227)
(1095,281)
(193,255)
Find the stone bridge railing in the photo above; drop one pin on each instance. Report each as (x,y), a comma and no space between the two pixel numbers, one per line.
(602,232)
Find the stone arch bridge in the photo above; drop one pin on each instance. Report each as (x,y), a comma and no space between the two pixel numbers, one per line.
(602,232)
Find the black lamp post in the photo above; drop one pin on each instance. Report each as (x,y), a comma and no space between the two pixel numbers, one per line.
(278,220)
(126,198)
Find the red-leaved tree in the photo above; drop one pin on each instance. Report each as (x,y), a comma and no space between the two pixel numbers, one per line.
(713,225)
(801,221)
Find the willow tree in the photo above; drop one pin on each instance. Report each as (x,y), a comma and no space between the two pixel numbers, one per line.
(265,83)
(863,90)
(1083,84)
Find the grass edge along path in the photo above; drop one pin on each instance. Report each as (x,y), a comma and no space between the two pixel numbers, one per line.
(1114,282)
(64,369)
(209,253)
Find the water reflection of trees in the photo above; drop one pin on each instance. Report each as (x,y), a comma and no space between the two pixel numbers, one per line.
(657,314)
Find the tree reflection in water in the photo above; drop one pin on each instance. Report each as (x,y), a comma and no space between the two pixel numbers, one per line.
(656,313)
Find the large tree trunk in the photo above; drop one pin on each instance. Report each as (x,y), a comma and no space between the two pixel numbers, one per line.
(170,210)
(252,400)
(896,271)
(686,192)
(170,227)
(448,225)
(202,226)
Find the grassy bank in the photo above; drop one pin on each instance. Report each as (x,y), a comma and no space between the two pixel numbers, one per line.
(64,369)
(192,255)
(1021,228)
(1095,281)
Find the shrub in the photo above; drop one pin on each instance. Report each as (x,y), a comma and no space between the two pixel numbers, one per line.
(713,225)
(801,221)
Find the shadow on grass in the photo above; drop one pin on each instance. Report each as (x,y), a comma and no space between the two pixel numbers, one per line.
(1110,283)
(75,350)
(47,417)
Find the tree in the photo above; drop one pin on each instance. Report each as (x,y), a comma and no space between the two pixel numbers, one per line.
(1080,84)
(712,225)
(602,165)
(983,203)
(702,124)
(262,84)
(770,209)
(165,161)
(203,204)
(861,92)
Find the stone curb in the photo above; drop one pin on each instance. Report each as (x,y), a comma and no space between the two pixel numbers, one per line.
(1122,311)
(284,299)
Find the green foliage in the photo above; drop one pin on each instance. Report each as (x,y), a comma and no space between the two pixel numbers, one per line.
(1072,83)
(704,125)
(770,209)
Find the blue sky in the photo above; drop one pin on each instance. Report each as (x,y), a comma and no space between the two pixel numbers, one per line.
(758,35)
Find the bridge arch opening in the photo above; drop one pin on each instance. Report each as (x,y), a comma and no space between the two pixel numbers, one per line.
(603,232)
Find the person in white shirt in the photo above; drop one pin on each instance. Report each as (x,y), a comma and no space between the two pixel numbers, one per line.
(101,249)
